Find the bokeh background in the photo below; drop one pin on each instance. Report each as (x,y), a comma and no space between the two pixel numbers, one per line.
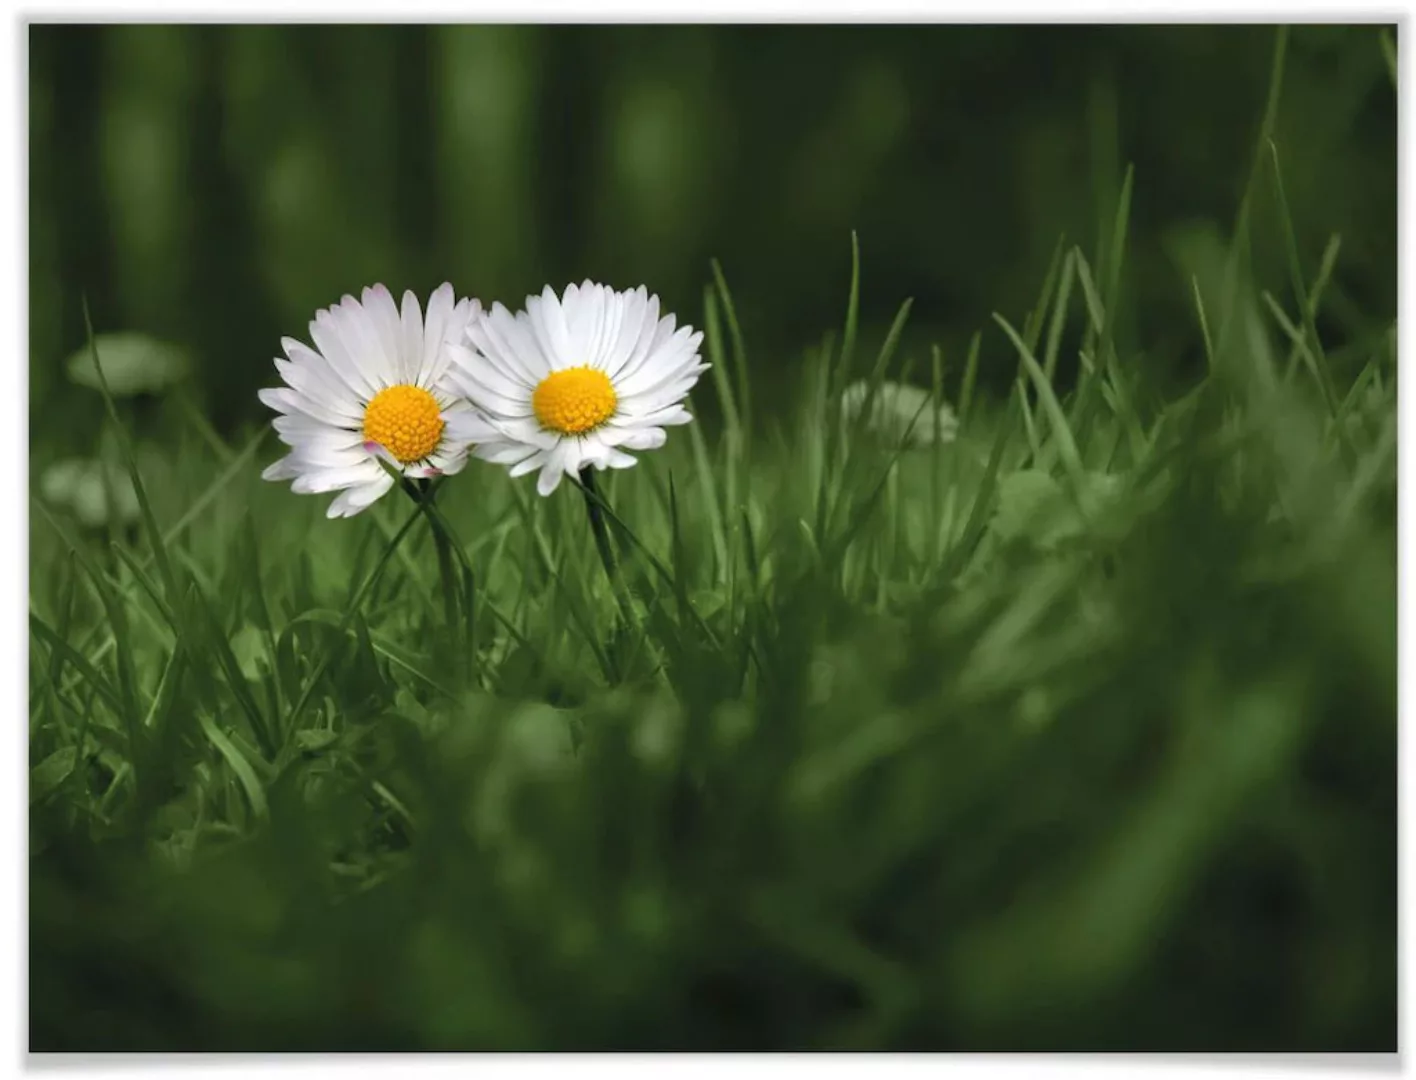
(213,185)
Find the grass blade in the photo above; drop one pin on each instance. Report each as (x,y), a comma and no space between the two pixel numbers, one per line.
(130,460)
(1061,430)
(848,339)
(744,386)
(250,784)
(1321,372)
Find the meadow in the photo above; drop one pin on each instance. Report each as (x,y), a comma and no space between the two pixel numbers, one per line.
(1071,727)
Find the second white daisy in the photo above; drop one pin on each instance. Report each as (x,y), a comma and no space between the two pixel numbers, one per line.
(573,381)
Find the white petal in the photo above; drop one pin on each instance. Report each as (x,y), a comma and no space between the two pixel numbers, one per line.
(526,431)
(568,456)
(618,460)
(352,500)
(302,357)
(273,398)
(454,334)
(549,479)
(546,321)
(382,317)
(594,451)
(307,380)
(316,455)
(449,461)
(645,331)
(488,399)
(643,439)
(313,483)
(670,415)
(437,329)
(661,397)
(468,365)
(632,306)
(584,310)
(507,341)
(470,427)
(284,469)
(356,330)
(294,428)
(410,335)
(504,453)
(648,358)
(614,304)
(677,359)
(383,453)
(285,400)
(331,344)
(530,464)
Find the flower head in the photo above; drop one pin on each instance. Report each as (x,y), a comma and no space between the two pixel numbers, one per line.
(899,412)
(373,388)
(574,380)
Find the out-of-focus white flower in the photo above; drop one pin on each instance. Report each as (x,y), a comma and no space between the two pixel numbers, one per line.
(899,412)
(132,364)
(84,485)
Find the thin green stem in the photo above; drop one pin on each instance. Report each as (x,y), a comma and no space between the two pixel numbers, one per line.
(595,508)
(422,492)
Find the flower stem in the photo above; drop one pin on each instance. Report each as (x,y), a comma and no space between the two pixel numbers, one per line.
(445,570)
(594,507)
(422,493)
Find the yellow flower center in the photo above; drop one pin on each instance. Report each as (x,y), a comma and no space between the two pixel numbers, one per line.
(574,401)
(406,421)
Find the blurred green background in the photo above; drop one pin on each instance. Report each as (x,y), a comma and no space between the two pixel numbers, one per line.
(214,185)
(1133,788)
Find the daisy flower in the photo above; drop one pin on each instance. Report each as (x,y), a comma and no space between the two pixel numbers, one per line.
(574,381)
(373,387)
(899,412)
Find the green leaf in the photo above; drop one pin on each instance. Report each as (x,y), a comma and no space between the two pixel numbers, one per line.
(1388,47)
(744,386)
(1033,506)
(250,784)
(154,534)
(80,664)
(1061,430)
(49,774)
(1313,346)
(848,339)
(1029,501)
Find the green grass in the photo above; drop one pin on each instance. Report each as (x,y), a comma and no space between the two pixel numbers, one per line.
(1077,732)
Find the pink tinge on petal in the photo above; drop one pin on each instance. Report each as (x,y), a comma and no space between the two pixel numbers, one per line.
(382,452)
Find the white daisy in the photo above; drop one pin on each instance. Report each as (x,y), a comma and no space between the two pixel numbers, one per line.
(375,386)
(899,412)
(574,381)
